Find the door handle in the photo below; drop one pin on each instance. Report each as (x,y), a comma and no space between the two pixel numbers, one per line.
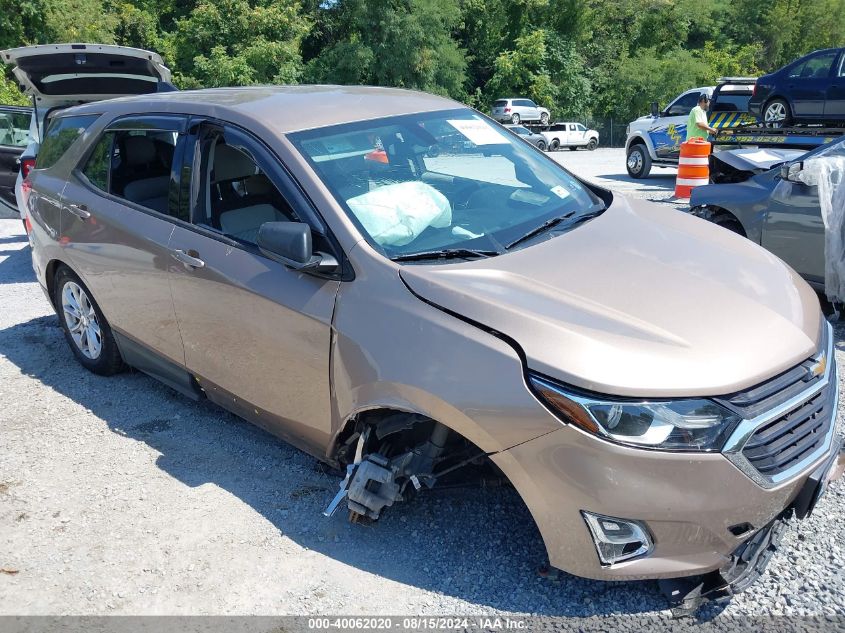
(187,258)
(79,210)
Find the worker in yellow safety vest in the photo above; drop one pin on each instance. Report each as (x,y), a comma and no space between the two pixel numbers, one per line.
(697,126)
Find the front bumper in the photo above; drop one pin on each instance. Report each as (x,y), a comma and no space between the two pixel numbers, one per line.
(688,501)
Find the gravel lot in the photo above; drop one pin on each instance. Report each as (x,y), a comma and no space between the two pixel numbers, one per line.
(119,496)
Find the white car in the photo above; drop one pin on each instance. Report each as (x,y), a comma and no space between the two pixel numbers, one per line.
(519,110)
(571,135)
(58,76)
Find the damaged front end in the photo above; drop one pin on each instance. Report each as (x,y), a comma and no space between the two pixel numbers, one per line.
(396,458)
(738,165)
(749,561)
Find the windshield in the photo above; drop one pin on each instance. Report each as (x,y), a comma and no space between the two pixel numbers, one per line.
(443,180)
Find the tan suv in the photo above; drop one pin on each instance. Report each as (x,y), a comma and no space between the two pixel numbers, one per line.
(399,287)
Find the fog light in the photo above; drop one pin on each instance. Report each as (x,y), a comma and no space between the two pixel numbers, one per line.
(617,539)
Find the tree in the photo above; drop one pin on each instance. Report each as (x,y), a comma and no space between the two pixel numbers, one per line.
(404,43)
(238,42)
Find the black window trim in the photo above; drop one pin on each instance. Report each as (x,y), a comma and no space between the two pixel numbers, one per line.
(281,173)
(48,120)
(177,153)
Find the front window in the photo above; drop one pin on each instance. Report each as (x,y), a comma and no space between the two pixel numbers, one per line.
(817,67)
(14,128)
(442,181)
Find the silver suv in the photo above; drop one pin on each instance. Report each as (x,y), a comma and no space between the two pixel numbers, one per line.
(518,111)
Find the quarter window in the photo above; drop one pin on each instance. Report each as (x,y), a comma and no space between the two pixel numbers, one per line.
(61,134)
(134,165)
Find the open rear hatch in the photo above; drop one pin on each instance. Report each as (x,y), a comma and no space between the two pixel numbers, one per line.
(66,74)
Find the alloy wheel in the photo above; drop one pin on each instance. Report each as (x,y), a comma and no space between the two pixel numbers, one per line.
(635,161)
(81,320)
(775,112)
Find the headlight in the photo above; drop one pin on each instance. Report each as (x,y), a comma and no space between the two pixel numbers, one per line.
(675,425)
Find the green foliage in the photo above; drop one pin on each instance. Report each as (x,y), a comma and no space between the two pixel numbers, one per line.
(9,92)
(404,43)
(580,58)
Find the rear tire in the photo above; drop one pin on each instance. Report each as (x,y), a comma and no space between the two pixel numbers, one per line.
(777,114)
(555,145)
(544,118)
(515,118)
(541,146)
(638,162)
(86,329)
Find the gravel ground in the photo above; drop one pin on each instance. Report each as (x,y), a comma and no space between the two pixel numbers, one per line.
(118,496)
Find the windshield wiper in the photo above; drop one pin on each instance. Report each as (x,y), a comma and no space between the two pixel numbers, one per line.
(539,229)
(445,253)
(551,222)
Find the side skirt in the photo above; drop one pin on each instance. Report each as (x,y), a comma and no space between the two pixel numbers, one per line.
(140,357)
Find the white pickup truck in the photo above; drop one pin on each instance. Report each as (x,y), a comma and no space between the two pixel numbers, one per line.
(571,135)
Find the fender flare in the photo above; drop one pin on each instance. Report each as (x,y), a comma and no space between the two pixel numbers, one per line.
(640,137)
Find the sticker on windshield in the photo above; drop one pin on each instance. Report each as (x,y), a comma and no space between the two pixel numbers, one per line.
(478,132)
(561,192)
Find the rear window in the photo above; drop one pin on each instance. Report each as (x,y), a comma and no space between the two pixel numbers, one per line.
(61,134)
(501,103)
(731,102)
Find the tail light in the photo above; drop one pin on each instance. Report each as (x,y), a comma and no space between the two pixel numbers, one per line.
(26,166)
(754,90)
(507,110)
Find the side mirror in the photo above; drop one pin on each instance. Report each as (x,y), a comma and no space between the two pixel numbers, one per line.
(655,109)
(289,243)
(792,171)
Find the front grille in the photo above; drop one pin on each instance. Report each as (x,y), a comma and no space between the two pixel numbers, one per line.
(786,441)
(786,420)
(775,391)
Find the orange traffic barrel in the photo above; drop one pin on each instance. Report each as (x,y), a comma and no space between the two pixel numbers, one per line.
(693,166)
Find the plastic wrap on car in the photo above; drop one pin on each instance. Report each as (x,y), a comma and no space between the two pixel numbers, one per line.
(826,170)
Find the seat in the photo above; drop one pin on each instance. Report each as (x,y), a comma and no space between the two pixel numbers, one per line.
(142,173)
(243,224)
(149,192)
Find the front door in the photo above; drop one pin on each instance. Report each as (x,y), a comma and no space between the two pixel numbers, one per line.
(807,83)
(794,230)
(670,129)
(118,214)
(14,137)
(257,334)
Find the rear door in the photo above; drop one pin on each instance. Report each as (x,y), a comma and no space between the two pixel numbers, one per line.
(14,137)
(807,84)
(119,210)
(257,334)
(834,107)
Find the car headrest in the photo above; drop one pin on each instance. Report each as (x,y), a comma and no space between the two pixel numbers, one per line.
(258,185)
(231,164)
(139,150)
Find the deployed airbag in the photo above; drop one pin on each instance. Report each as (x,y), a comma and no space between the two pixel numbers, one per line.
(826,170)
(396,214)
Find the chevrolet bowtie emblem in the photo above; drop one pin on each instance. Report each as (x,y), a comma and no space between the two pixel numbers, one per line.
(818,369)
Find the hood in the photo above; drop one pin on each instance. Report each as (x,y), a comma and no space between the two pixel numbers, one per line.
(757,160)
(65,74)
(640,301)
